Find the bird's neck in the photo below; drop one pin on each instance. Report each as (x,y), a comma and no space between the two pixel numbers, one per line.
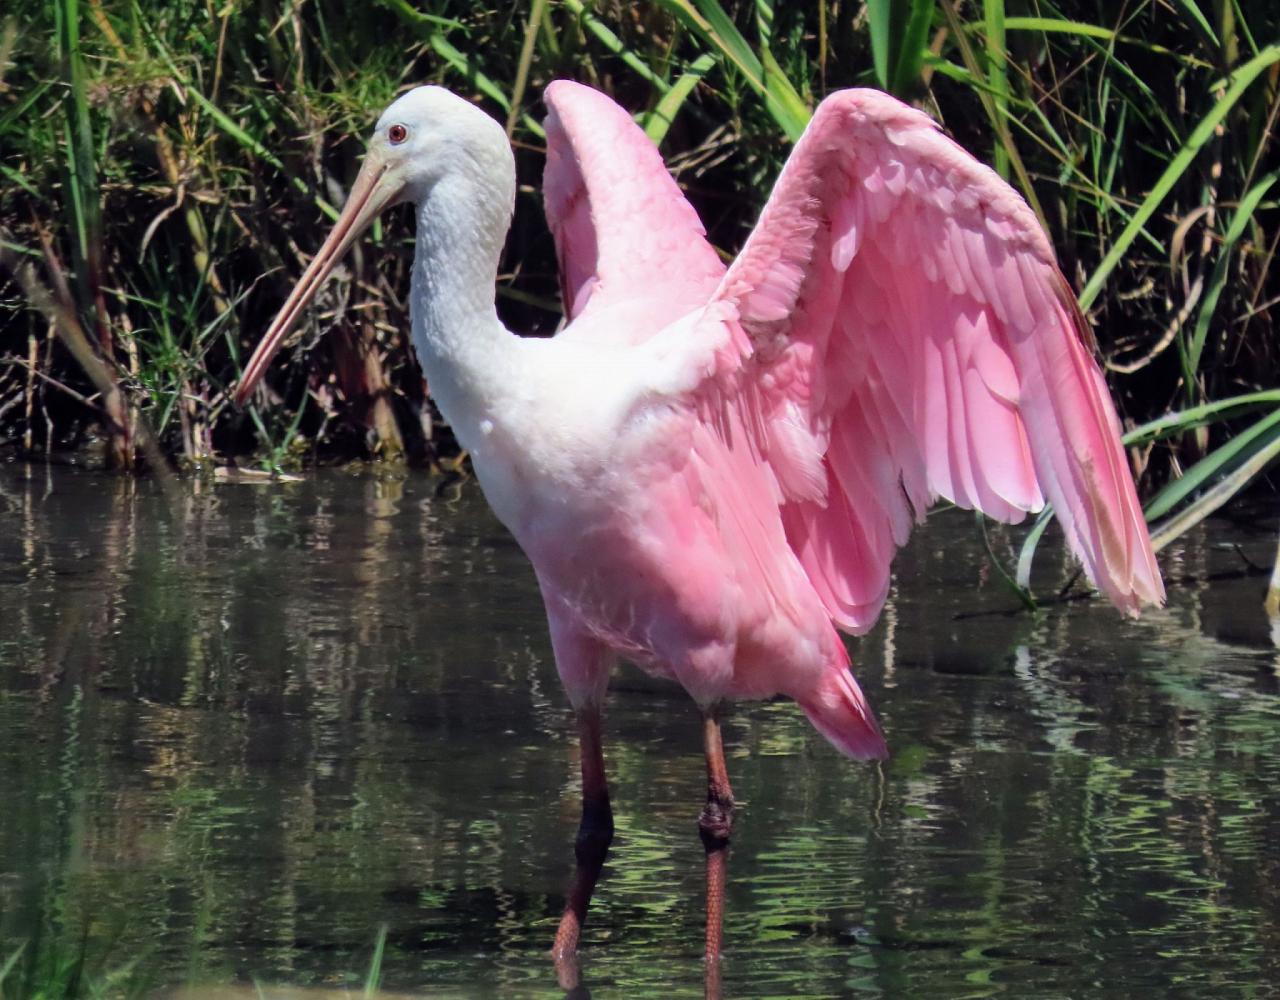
(464,349)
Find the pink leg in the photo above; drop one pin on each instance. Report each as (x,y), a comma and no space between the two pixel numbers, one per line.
(595,833)
(715,824)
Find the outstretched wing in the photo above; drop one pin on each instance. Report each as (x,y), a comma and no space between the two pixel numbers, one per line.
(908,336)
(622,227)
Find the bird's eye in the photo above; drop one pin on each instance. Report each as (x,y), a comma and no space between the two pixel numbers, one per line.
(397,134)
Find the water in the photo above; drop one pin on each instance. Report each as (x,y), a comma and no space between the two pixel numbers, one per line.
(239,736)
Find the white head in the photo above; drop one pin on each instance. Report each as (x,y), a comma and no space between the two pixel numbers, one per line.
(430,133)
(427,136)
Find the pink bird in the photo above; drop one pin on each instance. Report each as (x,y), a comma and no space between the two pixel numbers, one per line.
(711,469)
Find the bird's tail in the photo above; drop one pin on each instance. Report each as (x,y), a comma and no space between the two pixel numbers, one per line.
(839,711)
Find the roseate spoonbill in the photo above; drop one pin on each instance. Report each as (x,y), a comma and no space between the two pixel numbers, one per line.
(710,469)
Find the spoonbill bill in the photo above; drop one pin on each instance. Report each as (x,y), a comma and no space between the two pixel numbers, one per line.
(711,468)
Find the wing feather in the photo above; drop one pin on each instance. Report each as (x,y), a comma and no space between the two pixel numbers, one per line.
(624,232)
(909,325)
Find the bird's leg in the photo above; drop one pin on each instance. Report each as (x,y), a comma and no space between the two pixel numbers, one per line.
(715,824)
(595,833)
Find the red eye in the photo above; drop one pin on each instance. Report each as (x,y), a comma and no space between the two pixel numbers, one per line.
(397,134)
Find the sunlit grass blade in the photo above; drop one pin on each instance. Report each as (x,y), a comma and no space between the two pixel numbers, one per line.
(912,47)
(1192,9)
(898,35)
(1101,33)
(1217,282)
(1173,424)
(1060,25)
(781,98)
(606,36)
(998,73)
(709,20)
(1026,555)
(374,977)
(409,12)
(1221,475)
(1015,586)
(537,10)
(879,18)
(82,204)
(1236,452)
(8,965)
(657,122)
(1272,602)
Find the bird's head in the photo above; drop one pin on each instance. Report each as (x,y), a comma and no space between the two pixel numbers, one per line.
(425,135)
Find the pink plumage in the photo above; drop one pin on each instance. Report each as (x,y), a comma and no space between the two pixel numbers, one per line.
(600,166)
(895,330)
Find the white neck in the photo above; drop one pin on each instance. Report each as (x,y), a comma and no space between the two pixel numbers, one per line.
(463,348)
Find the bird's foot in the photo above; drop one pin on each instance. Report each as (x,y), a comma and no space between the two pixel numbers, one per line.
(564,952)
(590,848)
(715,824)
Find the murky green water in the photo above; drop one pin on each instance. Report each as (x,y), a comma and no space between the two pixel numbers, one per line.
(238,737)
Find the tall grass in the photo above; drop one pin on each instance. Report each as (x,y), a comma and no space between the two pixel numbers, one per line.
(173,165)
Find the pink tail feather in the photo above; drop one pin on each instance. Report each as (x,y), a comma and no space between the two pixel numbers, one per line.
(840,712)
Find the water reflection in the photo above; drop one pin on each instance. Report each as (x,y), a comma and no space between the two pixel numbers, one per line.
(243,734)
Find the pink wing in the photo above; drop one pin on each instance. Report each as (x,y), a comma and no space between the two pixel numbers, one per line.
(623,229)
(910,337)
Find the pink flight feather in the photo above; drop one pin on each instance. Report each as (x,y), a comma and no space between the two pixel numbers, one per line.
(1001,398)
